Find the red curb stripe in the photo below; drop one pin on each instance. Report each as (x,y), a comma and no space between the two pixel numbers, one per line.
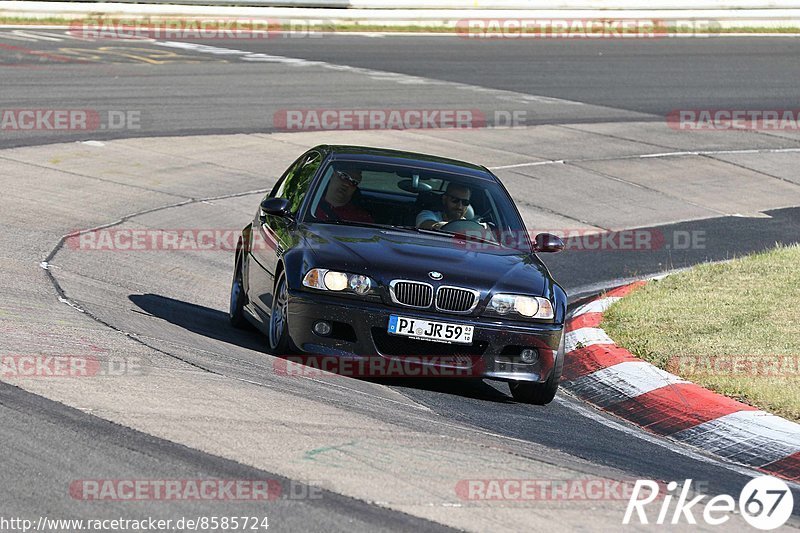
(589,359)
(670,409)
(586,320)
(787,468)
(676,407)
(625,289)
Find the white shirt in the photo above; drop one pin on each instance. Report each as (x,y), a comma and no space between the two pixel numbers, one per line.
(435,216)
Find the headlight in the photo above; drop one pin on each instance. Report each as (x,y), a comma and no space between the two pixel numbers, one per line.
(360,284)
(331,280)
(335,281)
(527,306)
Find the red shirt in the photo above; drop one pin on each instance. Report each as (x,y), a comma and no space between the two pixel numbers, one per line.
(344,212)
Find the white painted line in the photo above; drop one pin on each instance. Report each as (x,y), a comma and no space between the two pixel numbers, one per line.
(600,305)
(396,77)
(653,156)
(622,381)
(668,154)
(534,164)
(749,437)
(585,337)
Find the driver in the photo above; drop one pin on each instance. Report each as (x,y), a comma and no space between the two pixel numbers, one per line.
(338,201)
(455,202)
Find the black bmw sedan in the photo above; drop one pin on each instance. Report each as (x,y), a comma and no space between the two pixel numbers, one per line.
(370,254)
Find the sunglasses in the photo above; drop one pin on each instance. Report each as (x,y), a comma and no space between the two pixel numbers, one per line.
(456,200)
(347,178)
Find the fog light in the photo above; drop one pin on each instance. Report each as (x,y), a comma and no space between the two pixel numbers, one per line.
(529,355)
(322,328)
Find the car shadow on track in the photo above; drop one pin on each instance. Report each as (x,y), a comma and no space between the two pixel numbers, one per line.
(205,321)
(214,324)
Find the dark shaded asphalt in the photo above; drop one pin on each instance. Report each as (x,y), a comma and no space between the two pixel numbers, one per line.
(676,246)
(48,447)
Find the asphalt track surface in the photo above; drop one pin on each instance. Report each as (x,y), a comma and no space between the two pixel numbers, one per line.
(194,93)
(198,94)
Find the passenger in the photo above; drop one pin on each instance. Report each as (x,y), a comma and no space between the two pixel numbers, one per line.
(455,202)
(338,201)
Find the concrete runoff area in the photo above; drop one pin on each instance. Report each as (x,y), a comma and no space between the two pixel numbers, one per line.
(216,390)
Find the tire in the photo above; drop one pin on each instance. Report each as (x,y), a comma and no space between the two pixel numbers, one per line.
(238,299)
(278,336)
(540,393)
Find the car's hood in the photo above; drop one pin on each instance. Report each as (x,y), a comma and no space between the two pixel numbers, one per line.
(390,254)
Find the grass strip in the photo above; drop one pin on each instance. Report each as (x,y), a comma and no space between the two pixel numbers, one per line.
(732,327)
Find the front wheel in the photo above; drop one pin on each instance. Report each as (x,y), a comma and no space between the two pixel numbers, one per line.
(540,393)
(279,341)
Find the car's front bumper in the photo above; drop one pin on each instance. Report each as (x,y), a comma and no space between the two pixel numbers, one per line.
(360,331)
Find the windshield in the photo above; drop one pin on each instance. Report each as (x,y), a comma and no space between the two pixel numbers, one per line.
(402,197)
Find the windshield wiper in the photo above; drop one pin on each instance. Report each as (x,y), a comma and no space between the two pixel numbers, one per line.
(353,223)
(414,229)
(469,236)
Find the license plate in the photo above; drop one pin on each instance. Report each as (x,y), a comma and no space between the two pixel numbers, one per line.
(427,330)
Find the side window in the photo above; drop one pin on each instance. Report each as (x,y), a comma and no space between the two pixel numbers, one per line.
(294,185)
(277,190)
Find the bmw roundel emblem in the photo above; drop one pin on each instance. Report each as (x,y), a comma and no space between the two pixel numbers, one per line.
(435,275)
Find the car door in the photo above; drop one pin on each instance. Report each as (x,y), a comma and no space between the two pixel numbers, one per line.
(272,235)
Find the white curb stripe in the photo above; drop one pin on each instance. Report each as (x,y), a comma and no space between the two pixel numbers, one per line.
(586,337)
(600,305)
(749,437)
(621,382)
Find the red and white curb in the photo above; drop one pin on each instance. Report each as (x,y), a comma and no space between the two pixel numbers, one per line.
(610,377)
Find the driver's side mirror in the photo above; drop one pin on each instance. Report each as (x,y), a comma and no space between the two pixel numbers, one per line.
(278,207)
(547,242)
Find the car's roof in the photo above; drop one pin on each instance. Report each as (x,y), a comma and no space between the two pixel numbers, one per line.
(398,157)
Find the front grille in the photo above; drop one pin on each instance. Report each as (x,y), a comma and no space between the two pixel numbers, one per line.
(455,299)
(411,293)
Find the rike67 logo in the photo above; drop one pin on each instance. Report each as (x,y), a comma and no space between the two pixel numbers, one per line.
(765,503)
